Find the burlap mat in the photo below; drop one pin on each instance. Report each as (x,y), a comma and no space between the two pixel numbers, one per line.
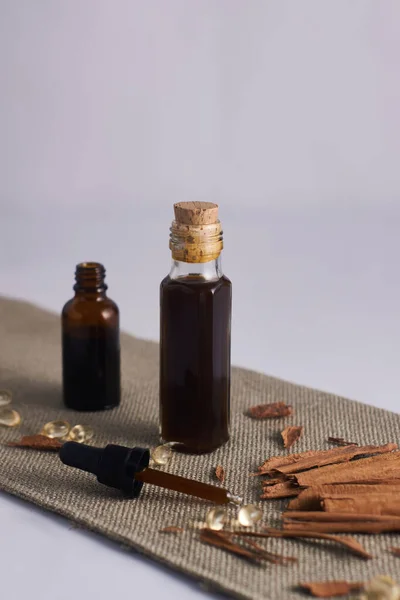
(30,367)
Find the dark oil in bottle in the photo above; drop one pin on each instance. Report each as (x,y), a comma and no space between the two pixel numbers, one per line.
(91,367)
(195,362)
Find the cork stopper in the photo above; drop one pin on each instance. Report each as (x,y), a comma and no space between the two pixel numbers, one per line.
(196,233)
(196,213)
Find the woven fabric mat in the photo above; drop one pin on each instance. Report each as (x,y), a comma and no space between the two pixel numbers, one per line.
(30,366)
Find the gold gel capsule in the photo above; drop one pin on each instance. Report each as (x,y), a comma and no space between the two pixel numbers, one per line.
(249,514)
(56,429)
(9,417)
(5,397)
(81,434)
(161,455)
(215,518)
(381,588)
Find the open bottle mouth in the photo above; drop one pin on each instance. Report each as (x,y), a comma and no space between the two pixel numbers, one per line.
(90,265)
(90,276)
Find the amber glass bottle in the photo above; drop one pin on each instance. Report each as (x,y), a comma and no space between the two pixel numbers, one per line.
(90,343)
(195,334)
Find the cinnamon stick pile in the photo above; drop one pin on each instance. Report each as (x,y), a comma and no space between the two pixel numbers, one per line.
(248,549)
(344,489)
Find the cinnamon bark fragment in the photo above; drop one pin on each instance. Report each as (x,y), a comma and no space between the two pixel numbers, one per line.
(277,559)
(276,480)
(345,541)
(307,499)
(220,473)
(335,456)
(310,498)
(280,490)
(272,463)
(313,516)
(329,589)
(37,442)
(341,441)
(172,529)
(295,463)
(291,434)
(364,470)
(373,504)
(264,554)
(219,540)
(395,551)
(350,465)
(275,410)
(380,526)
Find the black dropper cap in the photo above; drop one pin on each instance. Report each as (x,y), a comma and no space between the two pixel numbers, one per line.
(113,465)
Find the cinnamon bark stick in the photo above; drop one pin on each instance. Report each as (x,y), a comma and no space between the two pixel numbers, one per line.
(318,458)
(364,470)
(224,540)
(280,490)
(343,465)
(347,542)
(291,434)
(216,538)
(277,559)
(329,589)
(310,498)
(274,481)
(333,456)
(373,504)
(266,555)
(313,516)
(279,461)
(395,551)
(344,527)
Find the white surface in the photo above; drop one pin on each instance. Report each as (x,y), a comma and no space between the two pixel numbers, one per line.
(111,111)
(279,102)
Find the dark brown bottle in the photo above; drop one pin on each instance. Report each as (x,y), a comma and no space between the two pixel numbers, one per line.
(195,334)
(90,343)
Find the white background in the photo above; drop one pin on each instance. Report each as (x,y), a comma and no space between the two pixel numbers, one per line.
(285,113)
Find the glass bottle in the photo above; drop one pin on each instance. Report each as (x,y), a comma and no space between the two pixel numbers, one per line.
(90,343)
(195,335)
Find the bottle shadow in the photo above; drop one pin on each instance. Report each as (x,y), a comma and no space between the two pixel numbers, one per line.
(36,393)
(120,429)
(119,425)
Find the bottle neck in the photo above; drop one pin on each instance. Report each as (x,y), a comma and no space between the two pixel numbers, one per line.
(90,279)
(209,271)
(195,243)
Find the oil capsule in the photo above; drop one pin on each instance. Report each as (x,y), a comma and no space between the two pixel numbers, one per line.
(56,429)
(216,518)
(9,417)
(249,514)
(5,397)
(81,434)
(161,454)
